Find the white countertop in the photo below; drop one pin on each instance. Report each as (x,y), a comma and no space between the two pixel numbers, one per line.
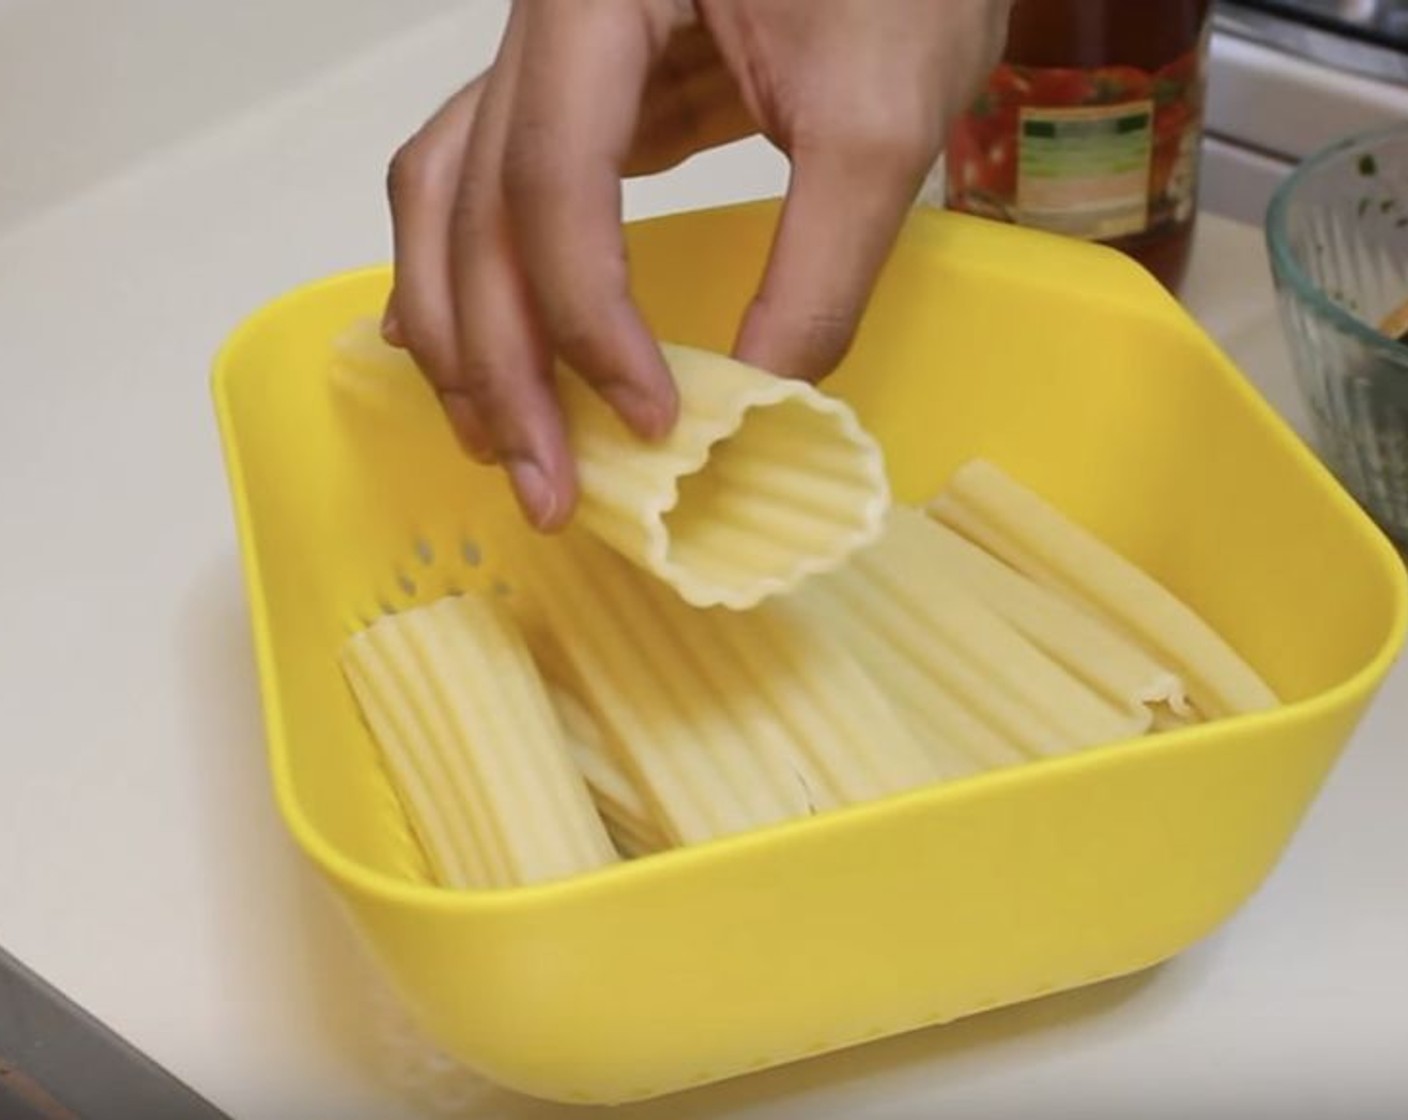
(143,870)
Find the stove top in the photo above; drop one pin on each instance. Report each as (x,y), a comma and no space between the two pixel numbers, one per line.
(1384,22)
(1368,37)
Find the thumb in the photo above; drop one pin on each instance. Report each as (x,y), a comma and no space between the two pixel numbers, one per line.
(844,208)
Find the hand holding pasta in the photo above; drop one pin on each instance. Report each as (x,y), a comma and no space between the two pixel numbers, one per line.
(506,205)
(762,482)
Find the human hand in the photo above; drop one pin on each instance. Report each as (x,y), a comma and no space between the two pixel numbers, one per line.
(506,206)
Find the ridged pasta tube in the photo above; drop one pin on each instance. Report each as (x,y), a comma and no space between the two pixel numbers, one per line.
(956,738)
(418,775)
(726,721)
(1104,658)
(762,482)
(1030,698)
(1014,523)
(627,814)
(471,740)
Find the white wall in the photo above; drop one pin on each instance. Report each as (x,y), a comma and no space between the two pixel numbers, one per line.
(86,85)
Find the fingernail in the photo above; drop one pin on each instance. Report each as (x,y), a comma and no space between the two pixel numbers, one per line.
(535,494)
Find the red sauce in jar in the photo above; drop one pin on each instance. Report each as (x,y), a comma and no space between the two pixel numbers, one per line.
(1092,126)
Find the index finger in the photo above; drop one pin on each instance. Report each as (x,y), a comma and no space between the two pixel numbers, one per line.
(575,111)
(422,182)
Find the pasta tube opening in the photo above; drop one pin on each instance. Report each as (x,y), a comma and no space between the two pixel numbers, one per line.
(762,482)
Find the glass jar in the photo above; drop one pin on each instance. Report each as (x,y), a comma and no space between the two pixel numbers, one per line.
(1092,126)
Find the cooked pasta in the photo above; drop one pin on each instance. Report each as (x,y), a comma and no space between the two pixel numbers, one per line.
(762,482)
(1016,524)
(464,720)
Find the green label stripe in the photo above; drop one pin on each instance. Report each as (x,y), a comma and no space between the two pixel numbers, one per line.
(1085,127)
(1085,146)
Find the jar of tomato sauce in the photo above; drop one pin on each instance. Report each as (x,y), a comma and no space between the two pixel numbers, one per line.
(1092,126)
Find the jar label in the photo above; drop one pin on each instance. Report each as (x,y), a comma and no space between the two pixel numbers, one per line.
(1098,154)
(1085,172)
